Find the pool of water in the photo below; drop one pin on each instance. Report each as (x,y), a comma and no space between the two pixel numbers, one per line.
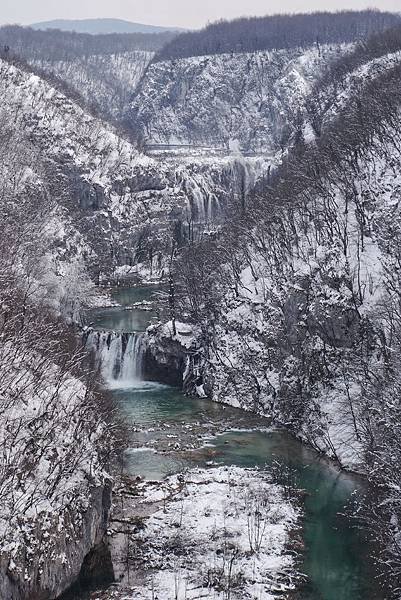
(115,319)
(124,318)
(336,557)
(160,417)
(132,295)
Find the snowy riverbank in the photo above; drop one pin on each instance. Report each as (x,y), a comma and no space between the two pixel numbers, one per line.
(214,533)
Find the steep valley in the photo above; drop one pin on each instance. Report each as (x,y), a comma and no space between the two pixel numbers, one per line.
(200,318)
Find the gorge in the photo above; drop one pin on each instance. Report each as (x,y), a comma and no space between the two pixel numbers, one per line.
(200,323)
(335,557)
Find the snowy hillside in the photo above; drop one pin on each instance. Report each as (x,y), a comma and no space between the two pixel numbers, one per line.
(87,157)
(106,81)
(312,271)
(53,486)
(54,491)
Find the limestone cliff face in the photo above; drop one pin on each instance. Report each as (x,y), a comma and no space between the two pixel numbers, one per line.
(254,98)
(175,359)
(48,569)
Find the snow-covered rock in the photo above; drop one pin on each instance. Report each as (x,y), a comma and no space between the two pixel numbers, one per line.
(55,494)
(254,98)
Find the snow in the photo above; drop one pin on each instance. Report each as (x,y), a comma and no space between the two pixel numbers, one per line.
(338,427)
(228,101)
(186,335)
(360,77)
(42,494)
(218,529)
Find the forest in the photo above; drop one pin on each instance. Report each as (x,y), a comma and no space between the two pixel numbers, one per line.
(277,32)
(57,45)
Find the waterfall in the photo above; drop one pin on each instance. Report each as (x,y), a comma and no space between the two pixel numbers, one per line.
(118,356)
(199,206)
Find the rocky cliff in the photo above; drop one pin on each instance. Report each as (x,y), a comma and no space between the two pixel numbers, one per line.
(253,99)
(55,550)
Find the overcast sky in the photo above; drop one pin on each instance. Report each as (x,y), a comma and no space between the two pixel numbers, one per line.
(183,13)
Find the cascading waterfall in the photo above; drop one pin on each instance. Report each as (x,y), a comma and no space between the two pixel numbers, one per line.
(118,356)
(204,204)
(200,206)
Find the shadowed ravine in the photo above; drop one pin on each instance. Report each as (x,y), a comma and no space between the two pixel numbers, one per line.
(336,559)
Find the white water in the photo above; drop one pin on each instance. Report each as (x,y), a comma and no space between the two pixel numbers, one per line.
(119,357)
(203,205)
(203,208)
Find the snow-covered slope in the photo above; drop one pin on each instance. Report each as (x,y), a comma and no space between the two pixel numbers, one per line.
(55,494)
(53,489)
(306,292)
(254,98)
(80,158)
(106,81)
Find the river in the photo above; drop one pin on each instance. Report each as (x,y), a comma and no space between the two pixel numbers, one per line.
(170,432)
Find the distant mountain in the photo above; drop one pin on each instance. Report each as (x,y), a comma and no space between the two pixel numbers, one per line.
(97,26)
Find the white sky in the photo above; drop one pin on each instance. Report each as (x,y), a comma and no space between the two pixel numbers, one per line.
(180,13)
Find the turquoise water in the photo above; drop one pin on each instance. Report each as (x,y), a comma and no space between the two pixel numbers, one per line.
(160,416)
(124,318)
(336,554)
(129,296)
(115,319)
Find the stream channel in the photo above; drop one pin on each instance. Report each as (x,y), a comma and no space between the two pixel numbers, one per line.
(171,432)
